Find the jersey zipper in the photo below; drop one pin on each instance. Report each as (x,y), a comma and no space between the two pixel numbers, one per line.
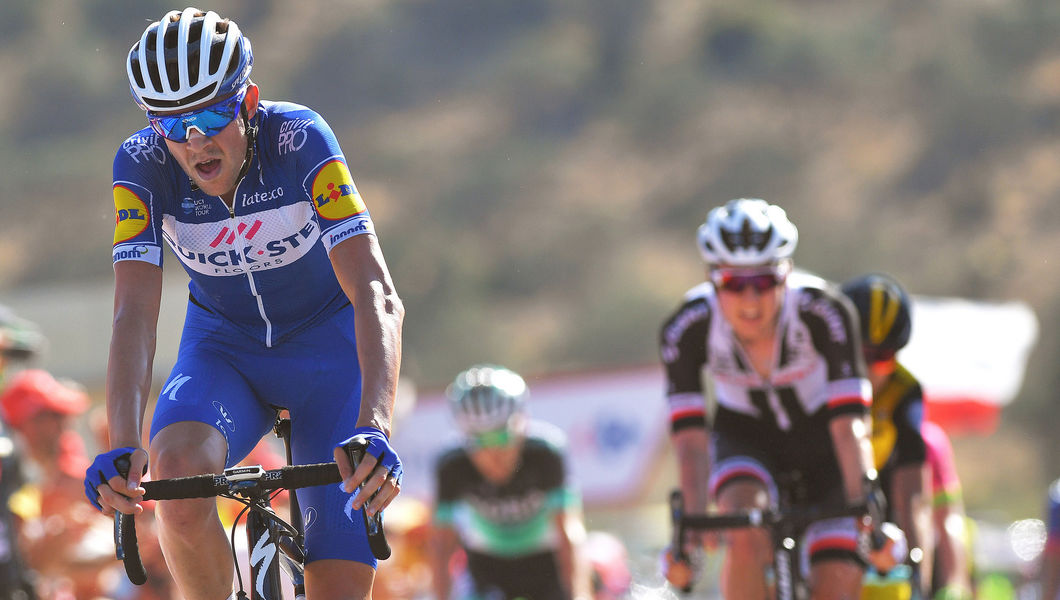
(250,276)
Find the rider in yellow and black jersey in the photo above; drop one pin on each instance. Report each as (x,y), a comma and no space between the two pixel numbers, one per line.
(902,454)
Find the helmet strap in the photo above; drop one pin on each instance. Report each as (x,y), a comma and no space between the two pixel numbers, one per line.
(252,134)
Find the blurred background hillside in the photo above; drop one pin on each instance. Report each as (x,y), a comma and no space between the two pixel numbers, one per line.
(537,168)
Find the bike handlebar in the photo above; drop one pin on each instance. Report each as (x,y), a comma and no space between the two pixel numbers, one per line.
(211,485)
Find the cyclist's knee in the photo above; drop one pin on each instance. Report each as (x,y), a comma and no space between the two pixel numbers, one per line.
(742,495)
(187,448)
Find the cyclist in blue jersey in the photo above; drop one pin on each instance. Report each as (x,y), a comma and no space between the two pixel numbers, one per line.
(783,354)
(503,495)
(290,306)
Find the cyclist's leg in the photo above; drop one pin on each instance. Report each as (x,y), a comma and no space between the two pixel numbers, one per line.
(324,402)
(836,580)
(206,418)
(831,546)
(836,567)
(192,539)
(741,478)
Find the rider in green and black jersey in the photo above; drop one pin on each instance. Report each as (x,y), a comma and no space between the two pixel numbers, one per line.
(503,496)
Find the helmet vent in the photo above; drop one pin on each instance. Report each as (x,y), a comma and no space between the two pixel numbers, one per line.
(746,237)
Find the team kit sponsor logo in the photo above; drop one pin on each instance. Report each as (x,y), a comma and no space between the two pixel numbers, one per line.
(145,148)
(259,197)
(257,242)
(510,509)
(293,135)
(131,216)
(334,195)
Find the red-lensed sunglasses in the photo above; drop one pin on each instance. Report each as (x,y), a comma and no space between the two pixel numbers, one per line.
(731,280)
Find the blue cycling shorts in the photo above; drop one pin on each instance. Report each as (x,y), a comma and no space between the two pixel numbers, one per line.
(235,384)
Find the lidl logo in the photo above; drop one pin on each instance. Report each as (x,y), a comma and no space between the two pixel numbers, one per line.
(130,214)
(334,196)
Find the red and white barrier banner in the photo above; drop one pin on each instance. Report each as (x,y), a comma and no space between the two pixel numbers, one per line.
(970,357)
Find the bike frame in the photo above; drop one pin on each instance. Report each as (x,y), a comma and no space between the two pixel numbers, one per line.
(785,527)
(273,543)
(269,538)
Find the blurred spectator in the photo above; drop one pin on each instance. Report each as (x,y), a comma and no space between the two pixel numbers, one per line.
(407,574)
(19,341)
(1051,557)
(62,541)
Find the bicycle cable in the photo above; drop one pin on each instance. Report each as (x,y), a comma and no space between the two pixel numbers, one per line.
(235,559)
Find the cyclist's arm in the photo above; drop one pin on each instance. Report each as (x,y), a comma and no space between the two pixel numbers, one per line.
(572,566)
(137,299)
(693,456)
(911,485)
(853,448)
(362,272)
(444,543)
(952,548)
(948,511)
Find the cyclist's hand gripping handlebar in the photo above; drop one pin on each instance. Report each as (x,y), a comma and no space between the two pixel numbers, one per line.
(678,567)
(355,449)
(125,545)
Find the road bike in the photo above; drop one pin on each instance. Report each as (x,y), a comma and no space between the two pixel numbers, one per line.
(785,525)
(276,544)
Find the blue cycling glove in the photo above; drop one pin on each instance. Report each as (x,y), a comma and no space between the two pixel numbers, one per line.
(379,447)
(102,469)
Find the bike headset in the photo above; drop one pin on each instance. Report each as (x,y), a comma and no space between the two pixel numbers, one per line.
(486,398)
(188,58)
(746,232)
(883,310)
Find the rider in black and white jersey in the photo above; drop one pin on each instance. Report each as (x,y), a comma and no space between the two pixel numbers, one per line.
(782,351)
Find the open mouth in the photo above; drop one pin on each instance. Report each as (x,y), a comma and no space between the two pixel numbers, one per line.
(208,169)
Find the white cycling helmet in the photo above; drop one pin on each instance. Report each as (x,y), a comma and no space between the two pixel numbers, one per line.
(485,397)
(747,232)
(188,58)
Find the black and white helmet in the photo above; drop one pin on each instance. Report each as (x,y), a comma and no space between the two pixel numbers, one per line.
(485,397)
(747,232)
(187,58)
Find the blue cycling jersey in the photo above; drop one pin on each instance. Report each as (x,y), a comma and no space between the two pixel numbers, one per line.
(296,202)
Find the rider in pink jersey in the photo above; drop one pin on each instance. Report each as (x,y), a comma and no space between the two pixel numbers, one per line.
(951,578)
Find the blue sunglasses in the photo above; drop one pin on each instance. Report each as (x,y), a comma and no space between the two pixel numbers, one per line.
(209,120)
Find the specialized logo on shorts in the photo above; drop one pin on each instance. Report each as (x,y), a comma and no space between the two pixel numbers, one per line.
(309,518)
(334,196)
(130,214)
